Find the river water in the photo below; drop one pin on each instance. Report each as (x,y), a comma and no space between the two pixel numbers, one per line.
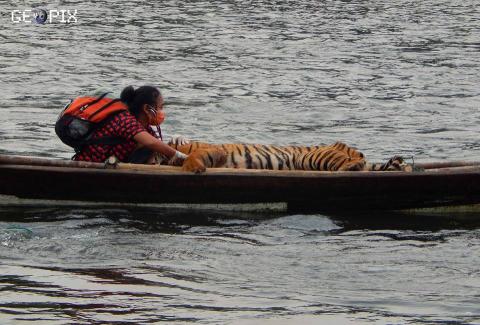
(389,77)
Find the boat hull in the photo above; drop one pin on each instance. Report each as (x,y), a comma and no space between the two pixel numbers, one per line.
(302,191)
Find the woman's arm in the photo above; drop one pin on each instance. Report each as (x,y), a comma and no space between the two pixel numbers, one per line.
(146,139)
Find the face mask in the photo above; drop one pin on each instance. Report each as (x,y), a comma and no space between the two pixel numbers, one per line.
(159,116)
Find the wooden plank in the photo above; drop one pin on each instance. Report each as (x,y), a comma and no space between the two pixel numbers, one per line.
(446,164)
(9,200)
(449,170)
(46,162)
(225,171)
(24,160)
(35,161)
(445,167)
(38,161)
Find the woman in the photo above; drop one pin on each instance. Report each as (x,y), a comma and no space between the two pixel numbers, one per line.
(138,142)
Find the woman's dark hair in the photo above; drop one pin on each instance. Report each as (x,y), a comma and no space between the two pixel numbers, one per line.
(136,98)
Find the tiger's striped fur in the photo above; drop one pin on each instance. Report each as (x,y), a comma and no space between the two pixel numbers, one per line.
(335,157)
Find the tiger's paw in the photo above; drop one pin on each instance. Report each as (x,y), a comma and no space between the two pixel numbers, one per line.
(201,159)
(193,165)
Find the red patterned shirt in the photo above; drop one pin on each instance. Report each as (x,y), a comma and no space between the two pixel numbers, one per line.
(124,125)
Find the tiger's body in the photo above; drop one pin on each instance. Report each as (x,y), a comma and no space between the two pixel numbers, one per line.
(335,157)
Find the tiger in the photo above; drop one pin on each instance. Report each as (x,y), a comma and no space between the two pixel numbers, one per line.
(335,157)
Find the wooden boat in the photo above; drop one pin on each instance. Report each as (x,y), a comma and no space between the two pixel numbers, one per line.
(443,184)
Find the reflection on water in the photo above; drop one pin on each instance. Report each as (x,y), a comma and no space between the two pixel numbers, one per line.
(390,78)
(91,265)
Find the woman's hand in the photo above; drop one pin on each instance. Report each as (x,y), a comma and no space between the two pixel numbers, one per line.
(177,159)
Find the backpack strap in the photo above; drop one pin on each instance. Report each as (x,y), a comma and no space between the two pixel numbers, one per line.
(104,107)
(98,99)
(108,140)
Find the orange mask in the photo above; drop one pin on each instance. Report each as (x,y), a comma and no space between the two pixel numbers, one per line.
(159,116)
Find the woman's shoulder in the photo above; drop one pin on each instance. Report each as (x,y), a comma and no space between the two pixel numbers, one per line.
(126,124)
(124,116)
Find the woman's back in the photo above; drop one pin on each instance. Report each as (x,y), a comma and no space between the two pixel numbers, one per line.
(123,126)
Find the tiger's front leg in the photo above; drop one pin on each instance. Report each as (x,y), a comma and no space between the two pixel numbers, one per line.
(203,158)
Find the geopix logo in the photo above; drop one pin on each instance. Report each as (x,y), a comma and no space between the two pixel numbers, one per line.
(42,16)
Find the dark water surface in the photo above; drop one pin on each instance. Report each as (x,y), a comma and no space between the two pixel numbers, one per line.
(392,77)
(87,266)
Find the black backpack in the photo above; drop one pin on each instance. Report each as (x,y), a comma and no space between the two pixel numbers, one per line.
(82,116)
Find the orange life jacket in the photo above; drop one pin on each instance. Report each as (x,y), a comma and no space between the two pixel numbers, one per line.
(94,109)
(82,116)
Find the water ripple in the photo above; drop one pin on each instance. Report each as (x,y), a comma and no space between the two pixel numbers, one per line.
(388,78)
